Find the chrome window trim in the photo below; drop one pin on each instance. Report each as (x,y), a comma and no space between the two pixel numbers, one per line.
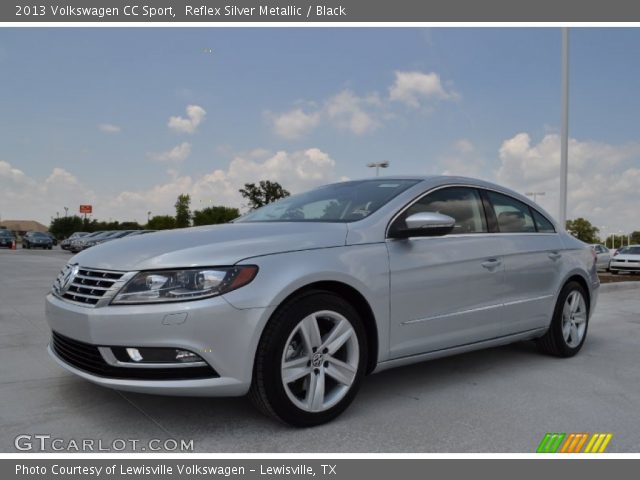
(466,185)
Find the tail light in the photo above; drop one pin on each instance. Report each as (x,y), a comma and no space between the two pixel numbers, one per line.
(616,253)
(595,256)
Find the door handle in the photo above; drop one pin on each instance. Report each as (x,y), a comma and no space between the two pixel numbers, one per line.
(554,256)
(491,263)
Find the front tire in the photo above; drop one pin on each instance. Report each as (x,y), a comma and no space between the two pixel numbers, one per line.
(568,329)
(310,360)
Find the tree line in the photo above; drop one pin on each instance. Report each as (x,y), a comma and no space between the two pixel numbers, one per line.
(256,196)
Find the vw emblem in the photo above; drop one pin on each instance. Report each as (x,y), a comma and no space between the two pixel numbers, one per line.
(317,359)
(68,277)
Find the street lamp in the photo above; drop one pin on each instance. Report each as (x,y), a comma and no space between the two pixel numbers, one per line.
(66,211)
(378,166)
(148,215)
(535,195)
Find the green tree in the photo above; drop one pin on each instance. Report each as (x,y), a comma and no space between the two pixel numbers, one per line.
(263,193)
(63,227)
(214,215)
(582,229)
(183,213)
(161,222)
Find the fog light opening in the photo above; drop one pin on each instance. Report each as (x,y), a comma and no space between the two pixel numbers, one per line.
(134,354)
(185,356)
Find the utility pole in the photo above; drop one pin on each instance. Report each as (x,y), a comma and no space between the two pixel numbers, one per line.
(564,134)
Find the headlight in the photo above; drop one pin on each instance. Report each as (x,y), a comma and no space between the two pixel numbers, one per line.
(186,284)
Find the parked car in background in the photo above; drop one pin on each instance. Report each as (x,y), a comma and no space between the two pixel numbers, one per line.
(78,244)
(295,302)
(54,240)
(37,240)
(626,259)
(603,256)
(6,238)
(92,242)
(65,244)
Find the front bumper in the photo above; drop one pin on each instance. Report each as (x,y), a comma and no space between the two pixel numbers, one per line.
(625,266)
(223,336)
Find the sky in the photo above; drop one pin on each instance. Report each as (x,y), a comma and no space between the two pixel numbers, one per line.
(126,119)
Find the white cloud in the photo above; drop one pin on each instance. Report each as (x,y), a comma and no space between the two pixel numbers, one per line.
(25,198)
(361,114)
(195,116)
(463,160)
(109,128)
(603,178)
(296,171)
(464,146)
(415,88)
(176,155)
(349,112)
(295,123)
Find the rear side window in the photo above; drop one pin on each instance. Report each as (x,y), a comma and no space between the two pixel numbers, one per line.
(512,215)
(542,224)
(461,203)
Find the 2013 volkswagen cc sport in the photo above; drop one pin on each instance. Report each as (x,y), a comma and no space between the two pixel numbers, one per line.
(295,302)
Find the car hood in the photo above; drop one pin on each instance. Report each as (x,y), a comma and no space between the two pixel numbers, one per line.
(212,245)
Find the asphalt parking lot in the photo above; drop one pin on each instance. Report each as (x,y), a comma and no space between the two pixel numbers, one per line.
(499,400)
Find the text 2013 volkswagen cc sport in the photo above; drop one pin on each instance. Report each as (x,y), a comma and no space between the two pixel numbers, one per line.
(295,302)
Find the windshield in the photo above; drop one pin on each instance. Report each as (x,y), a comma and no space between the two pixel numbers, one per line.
(339,202)
(39,235)
(630,251)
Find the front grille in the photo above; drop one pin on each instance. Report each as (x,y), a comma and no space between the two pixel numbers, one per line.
(87,357)
(87,286)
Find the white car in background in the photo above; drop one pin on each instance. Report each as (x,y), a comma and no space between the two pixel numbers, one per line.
(626,259)
(603,256)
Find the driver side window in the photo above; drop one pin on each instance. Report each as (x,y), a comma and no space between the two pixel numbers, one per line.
(463,204)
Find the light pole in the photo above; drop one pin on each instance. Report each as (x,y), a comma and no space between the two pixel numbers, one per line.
(66,211)
(564,134)
(603,229)
(378,166)
(148,215)
(535,195)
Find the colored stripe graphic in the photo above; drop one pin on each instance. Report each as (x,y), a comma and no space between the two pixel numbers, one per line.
(550,443)
(598,443)
(573,442)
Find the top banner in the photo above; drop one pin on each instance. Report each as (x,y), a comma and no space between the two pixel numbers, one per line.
(271,11)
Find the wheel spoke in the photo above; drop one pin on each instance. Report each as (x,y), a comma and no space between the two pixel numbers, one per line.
(566,329)
(310,333)
(337,332)
(574,301)
(340,340)
(574,334)
(315,395)
(580,317)
(295,369)
(340,371)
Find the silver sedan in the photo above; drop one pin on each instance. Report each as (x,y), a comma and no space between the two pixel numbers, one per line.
(294,303)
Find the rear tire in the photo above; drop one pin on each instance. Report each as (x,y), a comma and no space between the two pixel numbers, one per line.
(569,325)
(310,360)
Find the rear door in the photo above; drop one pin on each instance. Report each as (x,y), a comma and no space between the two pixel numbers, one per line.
(532,257)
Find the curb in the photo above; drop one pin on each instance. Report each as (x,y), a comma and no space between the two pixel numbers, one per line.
(614,287)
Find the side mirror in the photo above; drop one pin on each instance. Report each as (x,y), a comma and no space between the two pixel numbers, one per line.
(425,224)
